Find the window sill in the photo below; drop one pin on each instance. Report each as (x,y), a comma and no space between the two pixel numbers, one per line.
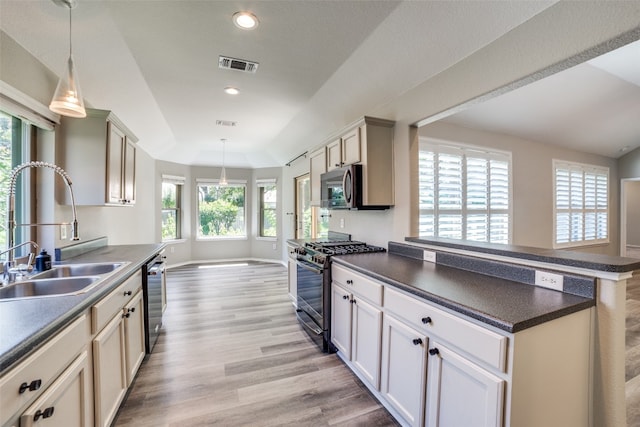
(171,241)
(267,239)
(217,239)
(580,245)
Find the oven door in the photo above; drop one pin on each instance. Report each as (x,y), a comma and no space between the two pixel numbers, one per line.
(310,287)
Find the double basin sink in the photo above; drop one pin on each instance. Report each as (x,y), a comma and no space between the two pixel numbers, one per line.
(67,279)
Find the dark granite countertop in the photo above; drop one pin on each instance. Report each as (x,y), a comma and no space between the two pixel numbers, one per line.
(588,261)
(26,324)
(505,304)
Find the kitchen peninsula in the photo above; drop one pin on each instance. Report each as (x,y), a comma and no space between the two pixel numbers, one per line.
(475,309)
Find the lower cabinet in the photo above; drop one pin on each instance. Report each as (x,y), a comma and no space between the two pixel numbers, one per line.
(460,392)
(404,369)
(134,336)
(66,402)
(366,340)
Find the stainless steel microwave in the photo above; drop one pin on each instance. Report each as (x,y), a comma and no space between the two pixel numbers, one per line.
(343,189)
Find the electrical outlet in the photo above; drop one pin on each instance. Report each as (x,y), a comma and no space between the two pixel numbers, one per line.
(63,232)
(274,246)
(341,222)
(549,280)
(429,256)
(172,249)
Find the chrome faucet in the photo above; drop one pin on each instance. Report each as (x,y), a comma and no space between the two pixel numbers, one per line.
(11,224)
(9,270)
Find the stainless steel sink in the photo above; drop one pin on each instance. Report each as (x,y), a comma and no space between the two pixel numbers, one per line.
(48,287)
(75,270)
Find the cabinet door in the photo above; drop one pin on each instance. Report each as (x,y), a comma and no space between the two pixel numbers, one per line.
(293,282)
(461,393)
(341,320)
(67,402)
(351,147)
(334,155)
(366,340)
(129,173)
(134,336)
(115,147)
(109,370)
(404,369)
(317,166)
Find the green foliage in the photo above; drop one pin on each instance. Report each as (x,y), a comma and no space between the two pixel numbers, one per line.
(221,213)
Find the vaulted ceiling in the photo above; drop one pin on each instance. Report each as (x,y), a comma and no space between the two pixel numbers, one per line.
(322,64)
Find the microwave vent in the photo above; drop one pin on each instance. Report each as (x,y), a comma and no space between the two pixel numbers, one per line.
(228,63)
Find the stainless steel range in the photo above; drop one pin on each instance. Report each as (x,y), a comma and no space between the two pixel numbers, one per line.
(313,265)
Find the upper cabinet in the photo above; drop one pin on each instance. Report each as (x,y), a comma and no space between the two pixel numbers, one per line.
(99,154)
(368,142)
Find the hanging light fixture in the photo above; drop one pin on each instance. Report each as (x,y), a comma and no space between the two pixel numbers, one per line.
(223,173)
(67,100)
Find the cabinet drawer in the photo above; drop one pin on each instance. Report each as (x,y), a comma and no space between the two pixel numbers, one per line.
(358,284)
(480,343)
(42,367)
(103,311)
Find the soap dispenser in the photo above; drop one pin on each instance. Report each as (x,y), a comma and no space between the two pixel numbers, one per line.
(43,261)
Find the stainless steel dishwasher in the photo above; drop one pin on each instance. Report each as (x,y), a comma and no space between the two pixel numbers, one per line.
(153,288)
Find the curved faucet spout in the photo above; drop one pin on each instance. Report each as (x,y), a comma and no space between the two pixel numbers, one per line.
(11,224)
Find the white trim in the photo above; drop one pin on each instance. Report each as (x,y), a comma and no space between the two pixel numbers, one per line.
(209,261)
(623,215)
(173,179)
(19,104)
(216,181)
(266,182)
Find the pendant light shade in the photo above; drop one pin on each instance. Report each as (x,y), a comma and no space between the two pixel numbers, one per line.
(67,100)
(223,173)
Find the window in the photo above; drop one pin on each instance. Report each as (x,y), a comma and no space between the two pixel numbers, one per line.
(171,206)
(581,208)
(221,210)
(14,148)
(267,195)
(464,192)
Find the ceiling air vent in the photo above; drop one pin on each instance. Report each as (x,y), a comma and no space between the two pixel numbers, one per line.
(237,64)
(225,123)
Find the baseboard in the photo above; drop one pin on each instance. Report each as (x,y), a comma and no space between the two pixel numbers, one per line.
(219,260)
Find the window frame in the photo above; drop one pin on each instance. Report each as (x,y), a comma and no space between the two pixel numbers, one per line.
(261,184)
(216,182)
(438,146)
(582,168)
(178,182)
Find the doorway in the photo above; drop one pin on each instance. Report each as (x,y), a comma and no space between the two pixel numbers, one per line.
(629,224)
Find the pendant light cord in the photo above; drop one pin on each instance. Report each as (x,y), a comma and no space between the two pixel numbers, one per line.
(70,50)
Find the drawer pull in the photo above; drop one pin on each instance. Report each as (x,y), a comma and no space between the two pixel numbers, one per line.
(33,386)
(349,282)
(353,301)
(127,293)
(434,351)
(417,341)
(44,414)
(426,320)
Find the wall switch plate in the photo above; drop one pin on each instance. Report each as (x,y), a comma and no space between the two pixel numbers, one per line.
(429,256)
(63,232)
(549,280)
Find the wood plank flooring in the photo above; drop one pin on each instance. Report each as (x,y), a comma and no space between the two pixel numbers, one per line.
(232,354)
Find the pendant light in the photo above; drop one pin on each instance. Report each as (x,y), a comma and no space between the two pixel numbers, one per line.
(223,174)
(67,100)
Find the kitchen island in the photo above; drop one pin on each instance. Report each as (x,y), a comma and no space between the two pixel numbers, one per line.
(492,286)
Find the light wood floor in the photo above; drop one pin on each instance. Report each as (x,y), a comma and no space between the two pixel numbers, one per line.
(232,354)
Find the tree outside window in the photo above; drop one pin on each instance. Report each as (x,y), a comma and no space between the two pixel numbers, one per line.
(268,197)
(221,211)
(171,201)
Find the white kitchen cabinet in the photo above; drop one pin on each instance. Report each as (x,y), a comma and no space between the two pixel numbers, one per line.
(356,322)
(118,349)
(99,154)
(134,336)
(48,376)
(368,142)
(67,402)
(404,369)
(460,393)
(317,166)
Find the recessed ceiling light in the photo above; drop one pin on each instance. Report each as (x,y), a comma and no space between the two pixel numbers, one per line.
(245,20)
(231,90)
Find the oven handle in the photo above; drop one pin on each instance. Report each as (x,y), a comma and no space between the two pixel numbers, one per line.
(309,325)
(309,266)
